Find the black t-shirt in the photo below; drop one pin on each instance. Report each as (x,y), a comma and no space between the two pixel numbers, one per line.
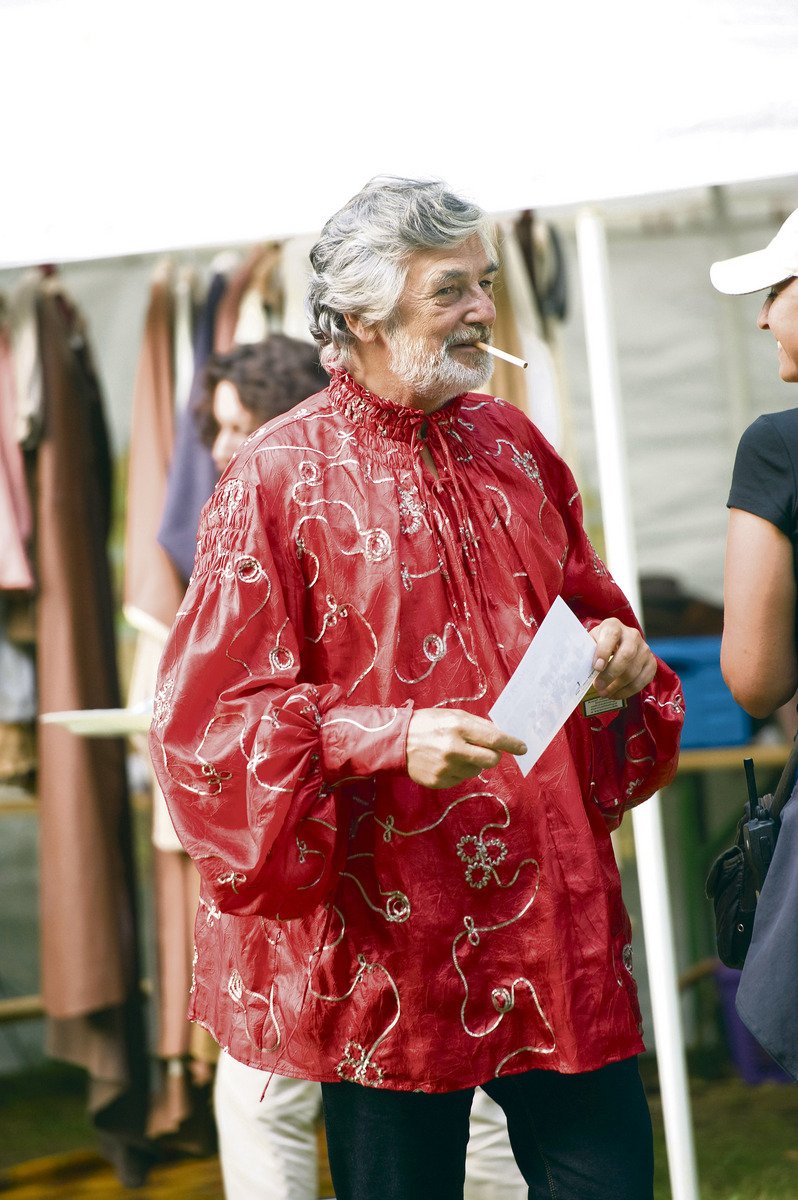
(765,479)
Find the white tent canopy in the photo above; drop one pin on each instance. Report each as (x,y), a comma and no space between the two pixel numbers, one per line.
(166,124)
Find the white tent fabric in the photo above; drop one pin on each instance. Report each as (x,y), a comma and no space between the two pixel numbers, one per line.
(158,124)
(647,820)
(167,124)
(680,366)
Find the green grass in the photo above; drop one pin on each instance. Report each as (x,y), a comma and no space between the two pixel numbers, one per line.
(43,1112)
(746,1137)
(746,1141)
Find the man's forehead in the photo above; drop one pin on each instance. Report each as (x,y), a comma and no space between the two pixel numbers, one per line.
(449,263)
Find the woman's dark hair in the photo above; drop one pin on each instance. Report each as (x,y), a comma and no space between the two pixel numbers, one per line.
(270,377)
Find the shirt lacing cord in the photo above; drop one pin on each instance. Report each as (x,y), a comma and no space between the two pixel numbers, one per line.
(459,548)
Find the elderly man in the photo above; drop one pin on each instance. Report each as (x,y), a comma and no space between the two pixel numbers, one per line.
(388,905)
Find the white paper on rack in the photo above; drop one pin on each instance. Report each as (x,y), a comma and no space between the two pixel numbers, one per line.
(550,680)
(102,722)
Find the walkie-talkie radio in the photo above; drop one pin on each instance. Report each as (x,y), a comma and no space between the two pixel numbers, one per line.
(759,829)
(737,876)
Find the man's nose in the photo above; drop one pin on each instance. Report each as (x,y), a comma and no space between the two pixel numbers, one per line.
(762,319)
(481,310)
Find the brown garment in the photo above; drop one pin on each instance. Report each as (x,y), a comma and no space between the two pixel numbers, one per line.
(260,269)
(17,752)
(507,380)
(176,897)
(88,930)
(152,584)
(525,227)
(153,589)
(15,509)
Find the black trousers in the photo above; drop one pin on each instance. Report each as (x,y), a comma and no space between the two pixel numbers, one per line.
(574,1137)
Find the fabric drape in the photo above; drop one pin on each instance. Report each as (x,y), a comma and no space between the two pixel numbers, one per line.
(543,382)
(192,474)
(23,331)
(153,589)
(90,966)
(507,380)
(153,592)
(16,519)
(260,270)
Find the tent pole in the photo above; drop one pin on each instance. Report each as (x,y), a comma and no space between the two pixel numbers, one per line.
(647,819)
(733,331)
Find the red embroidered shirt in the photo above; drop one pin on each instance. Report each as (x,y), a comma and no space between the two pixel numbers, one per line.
(353,924)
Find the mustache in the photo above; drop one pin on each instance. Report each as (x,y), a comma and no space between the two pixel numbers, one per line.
(476,333)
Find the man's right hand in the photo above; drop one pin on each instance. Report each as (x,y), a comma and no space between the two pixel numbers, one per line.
(446,746)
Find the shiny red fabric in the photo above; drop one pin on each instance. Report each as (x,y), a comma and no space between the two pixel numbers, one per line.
(353,924)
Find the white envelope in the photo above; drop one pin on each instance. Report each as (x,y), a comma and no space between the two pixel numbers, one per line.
(549,682)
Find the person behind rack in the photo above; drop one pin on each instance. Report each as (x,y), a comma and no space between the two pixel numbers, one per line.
(267,1141)
(388,905)
(759,648)
(267,1134)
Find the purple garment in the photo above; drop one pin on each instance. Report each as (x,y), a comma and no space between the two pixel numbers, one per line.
(192,474)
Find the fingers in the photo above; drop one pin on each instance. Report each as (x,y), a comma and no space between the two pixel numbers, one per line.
(459,768)
(448,746)
(479,732)
(607,637)
(625,663)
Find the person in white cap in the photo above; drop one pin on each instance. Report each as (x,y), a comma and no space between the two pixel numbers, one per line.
(758,655)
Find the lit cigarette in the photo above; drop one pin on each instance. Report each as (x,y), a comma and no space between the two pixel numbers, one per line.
(510,358)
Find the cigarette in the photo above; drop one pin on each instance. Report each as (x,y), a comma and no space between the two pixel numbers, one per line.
(510,358)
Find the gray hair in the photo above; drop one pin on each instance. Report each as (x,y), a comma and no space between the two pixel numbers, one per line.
(360,261)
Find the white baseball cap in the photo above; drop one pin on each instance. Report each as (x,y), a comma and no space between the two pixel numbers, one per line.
(762,268)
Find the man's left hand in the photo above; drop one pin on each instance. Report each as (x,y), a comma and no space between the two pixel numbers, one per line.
(624,660)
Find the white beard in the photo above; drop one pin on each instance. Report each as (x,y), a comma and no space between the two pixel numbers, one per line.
(435,375)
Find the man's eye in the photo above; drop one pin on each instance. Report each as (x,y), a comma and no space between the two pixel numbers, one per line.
(487,284)
(446,291)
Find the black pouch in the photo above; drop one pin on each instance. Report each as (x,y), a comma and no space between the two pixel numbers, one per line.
(734,898)
(737,875)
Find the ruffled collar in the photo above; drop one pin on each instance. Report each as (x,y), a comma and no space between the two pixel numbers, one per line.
(384,417)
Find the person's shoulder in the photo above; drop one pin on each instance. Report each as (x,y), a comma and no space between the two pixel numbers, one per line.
(765,476)
(484,411)
(784,423)
(481,402)
(772,432)
(491,415)
(298,417)
(299,427)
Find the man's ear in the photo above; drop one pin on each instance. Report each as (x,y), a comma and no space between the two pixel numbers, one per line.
(362,331)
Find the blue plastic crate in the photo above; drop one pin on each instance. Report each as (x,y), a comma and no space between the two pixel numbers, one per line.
(712,716)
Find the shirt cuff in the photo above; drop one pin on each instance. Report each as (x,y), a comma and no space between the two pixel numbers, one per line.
(362,740)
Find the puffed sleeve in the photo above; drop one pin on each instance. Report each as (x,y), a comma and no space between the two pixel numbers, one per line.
(635,750)
(247,753)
